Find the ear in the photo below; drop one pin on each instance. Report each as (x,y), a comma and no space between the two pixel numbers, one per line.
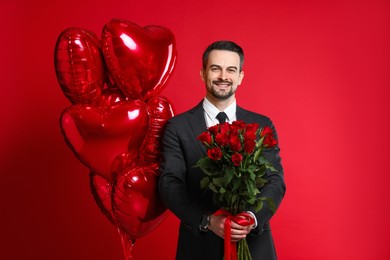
(240,77)
(202,76)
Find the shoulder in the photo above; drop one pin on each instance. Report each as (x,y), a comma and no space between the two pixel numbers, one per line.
(187,115)
(247,115)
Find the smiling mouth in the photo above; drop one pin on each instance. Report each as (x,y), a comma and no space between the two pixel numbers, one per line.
(222,83)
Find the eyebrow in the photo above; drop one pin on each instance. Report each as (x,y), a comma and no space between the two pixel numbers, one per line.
(229,67)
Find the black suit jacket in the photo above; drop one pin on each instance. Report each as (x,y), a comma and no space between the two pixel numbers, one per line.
(180,190)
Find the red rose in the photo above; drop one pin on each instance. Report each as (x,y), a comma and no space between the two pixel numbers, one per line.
(214,153)
(236,159)
(235,143)
(222,139)
(249,146)
(249,136)
(236,126)
(205,137)
(213,129)
(252,127)
(249,141)
(269,140)
(239,124)
(266,130)
(224,128)
(234,131)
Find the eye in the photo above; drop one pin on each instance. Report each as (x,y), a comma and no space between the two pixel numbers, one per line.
(214,69)
(232,70)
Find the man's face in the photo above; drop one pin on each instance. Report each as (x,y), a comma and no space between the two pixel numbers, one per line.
(222,74)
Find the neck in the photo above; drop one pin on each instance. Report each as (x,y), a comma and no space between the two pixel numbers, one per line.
(221,104)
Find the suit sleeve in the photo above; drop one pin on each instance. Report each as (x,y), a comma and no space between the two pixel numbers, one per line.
(275,187)
(173,187)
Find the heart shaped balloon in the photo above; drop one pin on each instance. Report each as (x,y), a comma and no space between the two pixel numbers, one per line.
(160,111)
(101,191)
(109,97)
(116,130)
(79,65)
(140,60)
(97,136)
(136,204)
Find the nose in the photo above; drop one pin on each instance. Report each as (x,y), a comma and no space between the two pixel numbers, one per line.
(223,75)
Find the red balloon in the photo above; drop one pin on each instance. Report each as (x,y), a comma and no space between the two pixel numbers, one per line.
(112,130)
(109,97)
(101,191)
(79,65)
(140,60)
(97,136)
(160,111)
(136,204)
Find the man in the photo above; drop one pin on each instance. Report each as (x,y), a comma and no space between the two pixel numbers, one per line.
(201,233)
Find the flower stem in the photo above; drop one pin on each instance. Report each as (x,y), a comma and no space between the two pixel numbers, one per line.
(243,252)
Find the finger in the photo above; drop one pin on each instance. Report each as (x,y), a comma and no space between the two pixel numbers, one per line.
(235,238)
(243,232)
(237,226)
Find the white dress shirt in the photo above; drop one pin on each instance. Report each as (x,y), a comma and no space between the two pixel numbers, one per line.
(211,112)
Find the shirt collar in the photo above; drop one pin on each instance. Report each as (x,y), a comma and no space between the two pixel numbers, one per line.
(211,111)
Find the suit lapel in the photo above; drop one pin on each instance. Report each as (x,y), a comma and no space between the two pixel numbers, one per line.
(241,114)
(197,123)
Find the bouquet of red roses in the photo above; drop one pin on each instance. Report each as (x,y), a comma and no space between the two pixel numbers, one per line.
(234,169)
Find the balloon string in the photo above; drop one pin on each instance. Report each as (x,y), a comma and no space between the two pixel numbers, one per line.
(127,244)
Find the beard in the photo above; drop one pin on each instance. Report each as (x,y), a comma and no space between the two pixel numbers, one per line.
(220,94)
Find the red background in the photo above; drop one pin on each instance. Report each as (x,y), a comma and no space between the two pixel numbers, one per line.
(319,69)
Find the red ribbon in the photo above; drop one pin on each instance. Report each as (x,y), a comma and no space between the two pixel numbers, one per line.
(243,219)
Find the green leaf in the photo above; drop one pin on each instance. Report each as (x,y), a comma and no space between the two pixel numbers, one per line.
(251,200)
(259,148)
(260,182)
(204,182)
(228,176)
(271,204)
(208,166)
(212,187)
(252,176)
(244,193)
(250,187)
(252,168)
(259,206)
(262,160)
(219,182)
(270,167)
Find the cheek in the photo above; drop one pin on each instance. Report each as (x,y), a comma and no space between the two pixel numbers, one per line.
(210,79)
(239,81)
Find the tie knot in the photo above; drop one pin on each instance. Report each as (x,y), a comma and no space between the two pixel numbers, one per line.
(222,117)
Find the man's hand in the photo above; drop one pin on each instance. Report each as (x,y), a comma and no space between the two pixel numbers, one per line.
(238,232)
